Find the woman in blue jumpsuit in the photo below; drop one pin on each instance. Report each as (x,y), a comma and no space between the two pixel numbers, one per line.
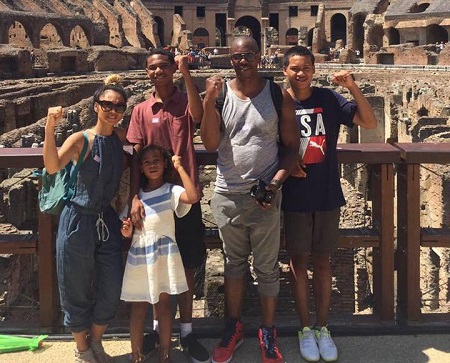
(88,244)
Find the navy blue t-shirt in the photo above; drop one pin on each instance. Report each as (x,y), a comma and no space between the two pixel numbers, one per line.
(319,118)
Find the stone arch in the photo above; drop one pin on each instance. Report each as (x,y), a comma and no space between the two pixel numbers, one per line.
(292,36)
(436,34)
(376,36)
(160,27)
(219,37)
(419,8)
(358,31)
(252,24)
(393,36)
(78,37)
(50,36)
(200,38)
(20,34)
(338,26)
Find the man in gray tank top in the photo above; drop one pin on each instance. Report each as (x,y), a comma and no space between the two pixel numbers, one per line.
(253,144)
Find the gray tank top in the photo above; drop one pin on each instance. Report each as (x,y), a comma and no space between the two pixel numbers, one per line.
(248,150)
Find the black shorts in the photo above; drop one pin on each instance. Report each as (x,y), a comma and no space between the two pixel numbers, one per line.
(189,232)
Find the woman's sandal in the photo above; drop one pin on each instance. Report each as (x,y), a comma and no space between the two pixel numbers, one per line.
(137,358)
(164,355)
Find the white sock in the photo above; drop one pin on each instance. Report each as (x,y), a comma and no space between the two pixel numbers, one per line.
(156,326)
(185,329)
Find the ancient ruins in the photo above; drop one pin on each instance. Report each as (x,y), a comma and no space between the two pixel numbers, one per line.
(57,52)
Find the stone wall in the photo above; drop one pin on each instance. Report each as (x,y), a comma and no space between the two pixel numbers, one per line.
(67,60)
(23,110)
(405,54)
(14,62)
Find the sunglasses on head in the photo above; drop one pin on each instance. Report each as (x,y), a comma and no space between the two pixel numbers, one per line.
(108,106)
(249,57)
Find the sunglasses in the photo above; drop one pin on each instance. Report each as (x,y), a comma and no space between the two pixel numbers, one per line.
(249,57)
(108,106)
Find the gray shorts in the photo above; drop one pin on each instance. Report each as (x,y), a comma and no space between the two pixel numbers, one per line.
(311,232)
(245,227)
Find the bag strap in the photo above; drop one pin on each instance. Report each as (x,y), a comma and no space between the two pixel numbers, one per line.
(80,160)
(221,99)
(277,98)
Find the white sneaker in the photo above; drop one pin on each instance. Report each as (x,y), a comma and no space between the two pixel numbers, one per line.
(327,348)
(308,345)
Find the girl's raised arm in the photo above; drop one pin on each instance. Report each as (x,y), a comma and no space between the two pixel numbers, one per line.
(190,195)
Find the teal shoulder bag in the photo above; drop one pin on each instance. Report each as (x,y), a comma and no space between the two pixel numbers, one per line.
(57,188)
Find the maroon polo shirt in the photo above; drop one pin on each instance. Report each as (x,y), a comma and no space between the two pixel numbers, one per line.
(168,125)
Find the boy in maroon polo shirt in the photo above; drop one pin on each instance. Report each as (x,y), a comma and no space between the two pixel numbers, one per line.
(168,119)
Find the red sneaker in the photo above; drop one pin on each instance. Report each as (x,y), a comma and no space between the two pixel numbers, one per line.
(233,337)
(268,343)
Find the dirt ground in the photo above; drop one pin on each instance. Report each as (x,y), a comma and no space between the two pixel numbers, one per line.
(352,349)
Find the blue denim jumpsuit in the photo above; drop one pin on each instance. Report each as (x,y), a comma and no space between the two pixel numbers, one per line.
(88,243)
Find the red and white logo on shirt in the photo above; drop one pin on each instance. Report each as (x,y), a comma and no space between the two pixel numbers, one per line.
(313,143)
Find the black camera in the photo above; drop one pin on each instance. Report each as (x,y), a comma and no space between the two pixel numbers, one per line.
(261,194)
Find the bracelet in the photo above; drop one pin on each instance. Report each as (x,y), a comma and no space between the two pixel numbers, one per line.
(277,183)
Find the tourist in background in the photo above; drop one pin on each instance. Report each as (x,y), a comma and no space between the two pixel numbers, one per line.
(168,118)
(253,144)
(88,243)
(312,195)
(154,268)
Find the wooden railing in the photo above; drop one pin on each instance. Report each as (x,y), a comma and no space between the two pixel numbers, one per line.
(380,157)
(43,245)
(411,236)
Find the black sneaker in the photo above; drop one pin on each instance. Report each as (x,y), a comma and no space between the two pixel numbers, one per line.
(151,342)
(197,353)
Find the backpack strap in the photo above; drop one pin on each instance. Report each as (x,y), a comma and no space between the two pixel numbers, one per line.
(277,97)
(80,161)
(221,99)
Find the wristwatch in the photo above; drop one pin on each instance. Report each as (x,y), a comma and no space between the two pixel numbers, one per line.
(277,183)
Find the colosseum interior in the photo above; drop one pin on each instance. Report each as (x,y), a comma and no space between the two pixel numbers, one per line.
(57,52)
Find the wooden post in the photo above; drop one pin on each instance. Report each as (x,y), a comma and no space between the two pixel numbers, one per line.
(47,272)
(408,245)
(383,257)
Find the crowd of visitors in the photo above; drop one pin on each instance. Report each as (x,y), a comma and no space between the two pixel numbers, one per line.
(276,152)
(197,56)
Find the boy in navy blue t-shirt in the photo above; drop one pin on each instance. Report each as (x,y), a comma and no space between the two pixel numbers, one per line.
(312,195)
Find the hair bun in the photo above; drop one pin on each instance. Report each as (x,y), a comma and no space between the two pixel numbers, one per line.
(113,79)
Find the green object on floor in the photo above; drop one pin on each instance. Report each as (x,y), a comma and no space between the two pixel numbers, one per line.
(11,343)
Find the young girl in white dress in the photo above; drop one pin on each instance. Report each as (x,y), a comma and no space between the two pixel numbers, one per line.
(154,269)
